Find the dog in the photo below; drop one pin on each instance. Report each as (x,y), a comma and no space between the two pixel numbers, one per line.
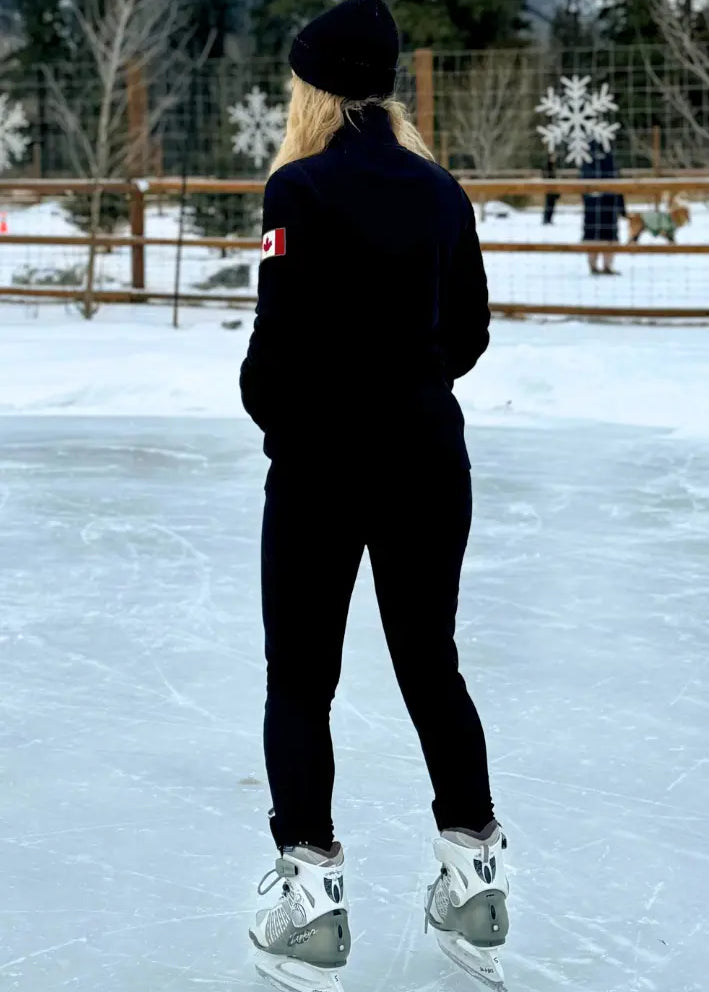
(660,223)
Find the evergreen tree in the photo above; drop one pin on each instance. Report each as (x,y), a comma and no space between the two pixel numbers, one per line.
(46,32)
(219,215)
(572,26)
(426,25)
(208,26)
(487,23)
(443,24)
(115,211)
(209,23)
(701,23)
(274,23)
(625,22)
(46,39)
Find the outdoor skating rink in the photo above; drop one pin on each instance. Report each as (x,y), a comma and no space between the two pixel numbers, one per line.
(133,799)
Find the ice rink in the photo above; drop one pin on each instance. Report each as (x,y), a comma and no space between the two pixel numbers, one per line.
(132,790)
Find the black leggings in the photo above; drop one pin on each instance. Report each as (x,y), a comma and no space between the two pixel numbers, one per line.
(315,530)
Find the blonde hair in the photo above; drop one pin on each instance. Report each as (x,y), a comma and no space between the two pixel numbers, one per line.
(315,117)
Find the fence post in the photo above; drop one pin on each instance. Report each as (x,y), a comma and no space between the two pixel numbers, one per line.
(138,131)
(137,230)
(137,163)
(425,96)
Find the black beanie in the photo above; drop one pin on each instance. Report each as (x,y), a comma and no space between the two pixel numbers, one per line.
(350,51)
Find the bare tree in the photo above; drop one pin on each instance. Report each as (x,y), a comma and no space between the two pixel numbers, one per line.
(681,148)
(487,111)
(690,53)
(122,38)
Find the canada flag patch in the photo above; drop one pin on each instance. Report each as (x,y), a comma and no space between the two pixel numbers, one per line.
(274,244)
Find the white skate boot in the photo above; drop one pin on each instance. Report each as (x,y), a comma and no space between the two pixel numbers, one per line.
(305,937)
(467,902)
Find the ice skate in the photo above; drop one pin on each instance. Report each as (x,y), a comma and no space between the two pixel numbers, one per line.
(467,902)
(303,939)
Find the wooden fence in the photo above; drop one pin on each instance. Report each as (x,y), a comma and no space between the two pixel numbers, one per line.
(479,191)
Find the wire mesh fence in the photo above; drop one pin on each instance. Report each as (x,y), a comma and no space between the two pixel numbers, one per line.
(487,115)
(481,111)
(225,118)
(547,267)
(536,258)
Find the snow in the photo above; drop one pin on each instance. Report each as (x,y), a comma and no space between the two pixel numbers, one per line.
(133,794)
(645,281)
(129,362)
(519,277)
(114,269)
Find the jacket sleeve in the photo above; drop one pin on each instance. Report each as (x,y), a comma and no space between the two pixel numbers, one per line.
(283,285)
(464,329)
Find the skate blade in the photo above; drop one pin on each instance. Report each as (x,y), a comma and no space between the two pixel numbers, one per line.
(478,962)
(290,975)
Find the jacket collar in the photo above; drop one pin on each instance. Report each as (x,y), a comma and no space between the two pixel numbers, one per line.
(371,125)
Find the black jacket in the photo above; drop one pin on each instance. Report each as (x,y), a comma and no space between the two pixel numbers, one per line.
(379,303)
(602,209)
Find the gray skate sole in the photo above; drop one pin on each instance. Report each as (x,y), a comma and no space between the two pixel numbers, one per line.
(482,921)
(325,943)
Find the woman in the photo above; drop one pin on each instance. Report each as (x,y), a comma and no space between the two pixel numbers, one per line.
(372,301)
(601,210)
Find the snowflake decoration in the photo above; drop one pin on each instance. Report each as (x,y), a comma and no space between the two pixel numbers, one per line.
(577,119)
(13,144)
(260,127)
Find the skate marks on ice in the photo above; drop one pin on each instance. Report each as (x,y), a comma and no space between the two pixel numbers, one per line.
(290,975)
(584,640)
(131,687)
(607,810)
(122,591)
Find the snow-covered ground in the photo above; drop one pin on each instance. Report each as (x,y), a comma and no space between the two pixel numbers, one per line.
(129,361)
(527,277)
(645,281)
(114,269)
(132,791)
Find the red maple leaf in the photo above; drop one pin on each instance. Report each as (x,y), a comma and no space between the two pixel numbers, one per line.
(267,245)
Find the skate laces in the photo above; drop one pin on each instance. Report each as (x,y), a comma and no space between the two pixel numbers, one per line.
(431,896)
(283,869)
